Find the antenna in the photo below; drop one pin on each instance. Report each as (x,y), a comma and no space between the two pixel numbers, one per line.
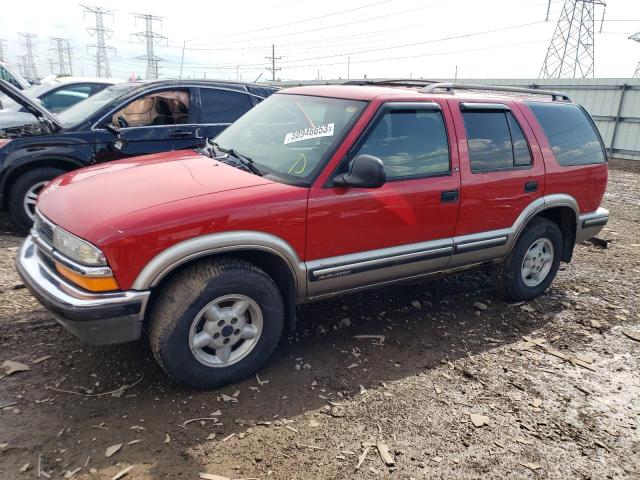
(571,51)
(151,38)
(29,63)
(101,33)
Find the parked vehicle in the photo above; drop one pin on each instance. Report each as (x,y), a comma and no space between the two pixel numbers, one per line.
(316,192)
(123,120)
(56,95)
(11,76)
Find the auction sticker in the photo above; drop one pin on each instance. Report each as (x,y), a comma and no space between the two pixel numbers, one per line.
(325,130)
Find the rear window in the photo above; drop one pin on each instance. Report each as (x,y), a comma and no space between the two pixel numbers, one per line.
(571,134)
(495,140)
(223,106)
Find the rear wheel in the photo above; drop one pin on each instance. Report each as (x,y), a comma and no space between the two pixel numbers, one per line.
(216,322)
(24,194)
(533,263)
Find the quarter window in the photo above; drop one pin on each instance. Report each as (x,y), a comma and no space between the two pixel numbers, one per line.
(495,140)
(223,106)
(572,136)
(410,143)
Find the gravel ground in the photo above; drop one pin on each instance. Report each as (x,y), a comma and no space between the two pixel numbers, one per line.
(547,389)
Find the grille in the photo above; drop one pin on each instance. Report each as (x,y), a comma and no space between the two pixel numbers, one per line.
(44,228)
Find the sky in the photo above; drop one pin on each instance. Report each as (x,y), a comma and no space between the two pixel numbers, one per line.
(323,39)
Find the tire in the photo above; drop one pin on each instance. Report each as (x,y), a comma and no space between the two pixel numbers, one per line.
(26,184)
(527,271)
(178,322)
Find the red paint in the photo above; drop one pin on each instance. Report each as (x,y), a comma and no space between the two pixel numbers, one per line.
(134,209)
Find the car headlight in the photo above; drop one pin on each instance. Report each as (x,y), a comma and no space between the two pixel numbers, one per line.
(77,249)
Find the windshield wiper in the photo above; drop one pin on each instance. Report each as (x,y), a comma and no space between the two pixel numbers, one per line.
(246,161)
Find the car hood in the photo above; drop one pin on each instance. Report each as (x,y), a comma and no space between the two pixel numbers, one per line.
(32,106)
(93,198)
(9,119)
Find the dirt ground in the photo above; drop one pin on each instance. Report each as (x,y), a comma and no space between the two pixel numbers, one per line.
(547,389)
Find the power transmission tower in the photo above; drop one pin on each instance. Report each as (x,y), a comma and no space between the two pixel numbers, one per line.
(30,70)
(62,51)
(273,59)
(571,51)
(151,38)
(3,44)
(101,33)
(636,37)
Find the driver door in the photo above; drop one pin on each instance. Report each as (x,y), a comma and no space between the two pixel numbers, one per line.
(365,236)
(150,123)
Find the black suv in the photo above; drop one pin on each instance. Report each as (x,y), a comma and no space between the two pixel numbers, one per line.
(123,120)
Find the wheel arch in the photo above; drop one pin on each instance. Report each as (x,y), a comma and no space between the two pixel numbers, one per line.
(562,210)
(270,253)
(15,171)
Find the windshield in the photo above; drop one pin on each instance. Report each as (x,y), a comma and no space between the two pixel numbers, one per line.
(84,109)
(288,136)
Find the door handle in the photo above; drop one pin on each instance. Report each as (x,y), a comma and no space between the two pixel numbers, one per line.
(181,134)
(531,187)
(449,196)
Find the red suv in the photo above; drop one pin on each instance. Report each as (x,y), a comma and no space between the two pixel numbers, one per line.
(316,192)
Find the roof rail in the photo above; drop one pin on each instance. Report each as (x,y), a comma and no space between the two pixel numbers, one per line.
(450,87)
(394,82)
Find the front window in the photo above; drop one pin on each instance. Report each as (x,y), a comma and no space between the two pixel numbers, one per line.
(288,136)
(158,108)
(80,112)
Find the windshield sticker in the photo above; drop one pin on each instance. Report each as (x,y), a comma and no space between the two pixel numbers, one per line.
(325,130)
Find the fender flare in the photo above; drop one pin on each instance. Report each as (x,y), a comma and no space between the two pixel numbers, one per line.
(244,240)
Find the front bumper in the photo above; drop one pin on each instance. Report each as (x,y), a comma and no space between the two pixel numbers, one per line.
(590,224)
(98,318)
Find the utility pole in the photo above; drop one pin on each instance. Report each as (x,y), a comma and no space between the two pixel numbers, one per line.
(101,33)
(62,51)
(348,68)
(3,44)
(150,38)
(29,63)
(273,59)
(636,38)
(571,53)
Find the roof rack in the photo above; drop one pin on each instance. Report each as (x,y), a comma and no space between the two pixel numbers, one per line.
(394,82)
(450,87)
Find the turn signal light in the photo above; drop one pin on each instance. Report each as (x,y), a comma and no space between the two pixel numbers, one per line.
(93,284)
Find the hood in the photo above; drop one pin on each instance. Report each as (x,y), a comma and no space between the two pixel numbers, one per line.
(33,106)
(92,197)
(10,119)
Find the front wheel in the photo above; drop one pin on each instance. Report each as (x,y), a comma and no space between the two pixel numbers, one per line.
(24,194)
(216,322)
(533,263)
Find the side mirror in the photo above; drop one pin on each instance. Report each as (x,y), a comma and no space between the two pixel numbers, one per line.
(366,171)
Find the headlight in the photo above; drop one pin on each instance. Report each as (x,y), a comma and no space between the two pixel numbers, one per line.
(77,249)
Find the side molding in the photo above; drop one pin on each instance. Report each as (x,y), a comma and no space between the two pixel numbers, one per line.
(205,245)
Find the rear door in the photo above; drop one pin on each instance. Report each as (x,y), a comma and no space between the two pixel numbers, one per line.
(502,173)
(366,236)
(219,108)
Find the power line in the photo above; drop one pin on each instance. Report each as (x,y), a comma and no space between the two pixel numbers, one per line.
(273,69)
(62,51)
(28,61)
(571,53)
(306,20)
(150,38)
